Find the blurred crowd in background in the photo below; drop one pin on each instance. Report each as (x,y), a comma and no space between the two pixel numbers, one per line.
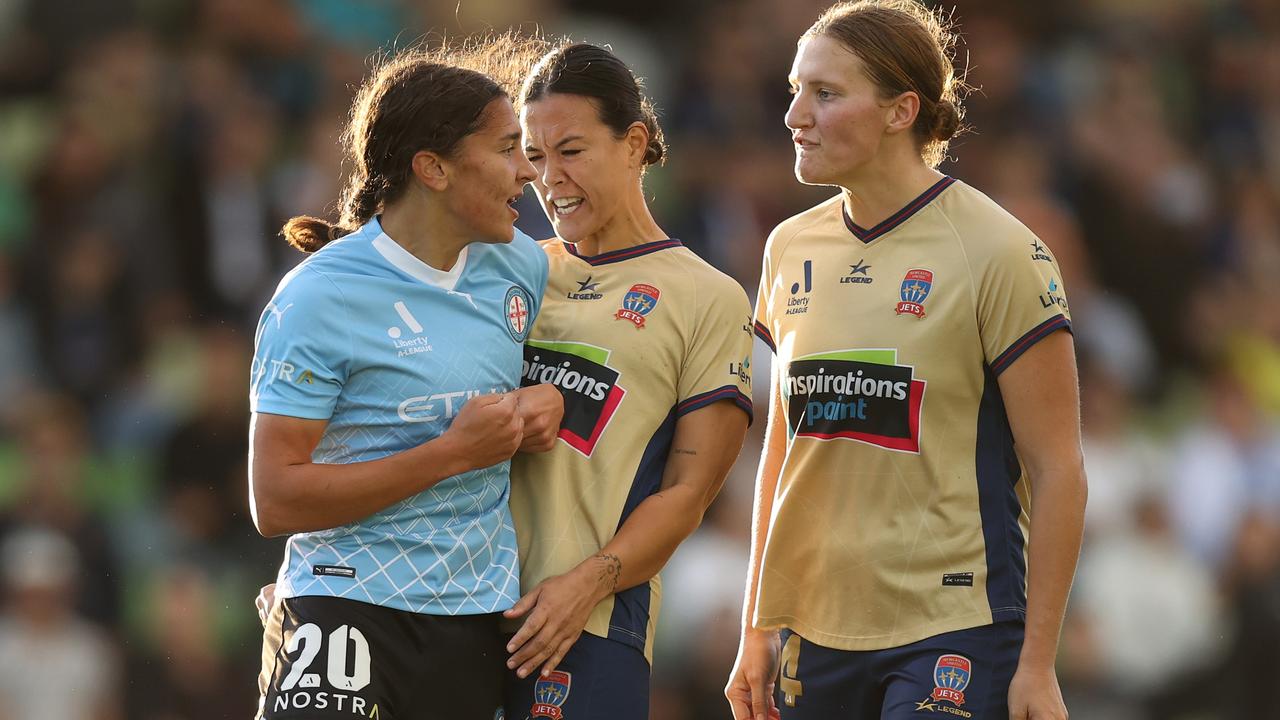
(151,149)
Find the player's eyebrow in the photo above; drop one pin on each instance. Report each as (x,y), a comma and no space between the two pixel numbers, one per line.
(512,137)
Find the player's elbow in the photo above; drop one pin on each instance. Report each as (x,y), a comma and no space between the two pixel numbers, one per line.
(267,522)
(270,514)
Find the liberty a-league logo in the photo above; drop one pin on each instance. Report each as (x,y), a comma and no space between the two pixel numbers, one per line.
(549,695)
(639,301)
(915,288)
(518,307)
(950,678)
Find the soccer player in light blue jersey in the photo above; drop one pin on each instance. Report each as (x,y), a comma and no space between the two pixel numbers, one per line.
(386,408)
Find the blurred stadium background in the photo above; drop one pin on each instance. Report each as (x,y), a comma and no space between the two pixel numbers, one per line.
(150,150)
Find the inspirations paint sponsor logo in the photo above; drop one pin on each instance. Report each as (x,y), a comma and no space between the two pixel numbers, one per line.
(590,387)
(858,394)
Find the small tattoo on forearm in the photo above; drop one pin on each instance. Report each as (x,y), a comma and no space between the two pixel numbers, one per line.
(684,451)
(610,570)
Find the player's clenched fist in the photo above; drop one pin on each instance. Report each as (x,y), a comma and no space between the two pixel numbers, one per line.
(488,430)
(542,408)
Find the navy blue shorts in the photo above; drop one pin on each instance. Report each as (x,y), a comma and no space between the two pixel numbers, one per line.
(962,674)
(598,678)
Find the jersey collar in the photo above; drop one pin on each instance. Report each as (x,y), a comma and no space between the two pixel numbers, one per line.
(899,217)
(614,256)
(406,262)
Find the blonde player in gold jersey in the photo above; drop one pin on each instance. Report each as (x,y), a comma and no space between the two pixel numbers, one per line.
(908,559)
(649,346)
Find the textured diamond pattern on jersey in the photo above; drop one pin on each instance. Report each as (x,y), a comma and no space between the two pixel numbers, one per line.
(407,353)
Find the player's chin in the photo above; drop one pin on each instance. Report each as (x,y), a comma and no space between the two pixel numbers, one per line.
(808,172)
(500,234)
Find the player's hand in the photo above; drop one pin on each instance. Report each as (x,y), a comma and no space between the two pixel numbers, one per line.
(555,612)
(266,598)
(750,688)
(542,407)
(1034,695)
(488,430)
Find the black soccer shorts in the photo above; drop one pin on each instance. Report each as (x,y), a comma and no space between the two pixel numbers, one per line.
(326,658)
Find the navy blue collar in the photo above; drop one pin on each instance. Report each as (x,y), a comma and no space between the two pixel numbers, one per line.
(899,217)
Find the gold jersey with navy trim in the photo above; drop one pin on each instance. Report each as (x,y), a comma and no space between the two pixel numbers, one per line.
(901,510)
(634,339)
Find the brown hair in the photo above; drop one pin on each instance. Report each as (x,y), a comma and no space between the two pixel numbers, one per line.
(593,72)
(416,100)
(905,47)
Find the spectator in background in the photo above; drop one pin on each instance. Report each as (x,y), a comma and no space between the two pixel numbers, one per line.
(52,663)
(1152,613)
(50,482)
(181,670)
(1225,464)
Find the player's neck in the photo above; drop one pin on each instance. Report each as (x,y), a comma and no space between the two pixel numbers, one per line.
(632,225)
(425,234)
(877,190)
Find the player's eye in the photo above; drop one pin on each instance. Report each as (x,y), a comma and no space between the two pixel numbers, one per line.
(571,152)
(533,157)
(825,94)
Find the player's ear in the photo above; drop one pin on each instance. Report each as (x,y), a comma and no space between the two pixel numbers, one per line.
(637,142)
(901,112)
(429,169)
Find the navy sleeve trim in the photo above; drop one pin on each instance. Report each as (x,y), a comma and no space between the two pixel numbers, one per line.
(1033,336)
(762,332)
(728,392)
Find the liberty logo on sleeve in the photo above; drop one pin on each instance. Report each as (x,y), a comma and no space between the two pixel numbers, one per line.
(1054,296)
(518,306)
(639,301)
(549,695)
(915,288)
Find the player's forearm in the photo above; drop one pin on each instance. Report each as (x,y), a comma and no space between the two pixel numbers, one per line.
(1057,523)
(761,512)
(646,541)
(309,496)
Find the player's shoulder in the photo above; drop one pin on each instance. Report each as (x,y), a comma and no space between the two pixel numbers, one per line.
(703,273)
(350,254)
(824,216)
(704,284)
(981,225)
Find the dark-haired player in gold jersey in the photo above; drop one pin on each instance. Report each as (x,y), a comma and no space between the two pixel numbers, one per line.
(649,346)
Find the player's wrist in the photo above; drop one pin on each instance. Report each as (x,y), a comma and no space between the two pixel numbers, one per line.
(1034,659)
(600,574)
(449,455)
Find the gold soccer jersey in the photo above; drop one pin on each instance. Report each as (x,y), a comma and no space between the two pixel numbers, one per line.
(902,508)
(634,339)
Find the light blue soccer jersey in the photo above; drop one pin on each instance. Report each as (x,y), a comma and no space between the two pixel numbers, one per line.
(388,349)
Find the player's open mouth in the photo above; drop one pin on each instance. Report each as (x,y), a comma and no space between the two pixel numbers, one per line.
(566,206)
